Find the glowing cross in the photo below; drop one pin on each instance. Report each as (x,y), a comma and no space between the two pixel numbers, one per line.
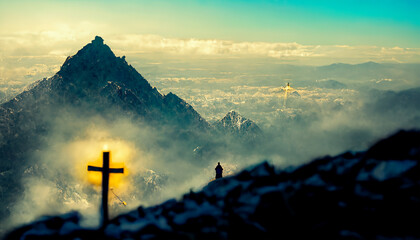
(105,183)
(287,89)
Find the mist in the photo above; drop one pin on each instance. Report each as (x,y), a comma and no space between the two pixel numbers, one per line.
(319,117)
(157,167)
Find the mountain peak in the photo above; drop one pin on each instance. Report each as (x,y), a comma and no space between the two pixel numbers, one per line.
(96,46)
(232,113)
(94,53)
(98,41)
(234,117)
(96,62)
(236,124)
(95,73)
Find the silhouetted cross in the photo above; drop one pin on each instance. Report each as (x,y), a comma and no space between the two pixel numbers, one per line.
(105,183)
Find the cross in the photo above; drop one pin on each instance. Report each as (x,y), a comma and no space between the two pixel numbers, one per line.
(105,183)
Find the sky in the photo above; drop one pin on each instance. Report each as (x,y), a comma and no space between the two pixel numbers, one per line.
(357,22)
(36,36)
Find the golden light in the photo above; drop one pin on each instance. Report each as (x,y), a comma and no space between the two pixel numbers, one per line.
(286,89)
(116,161)
(89,151)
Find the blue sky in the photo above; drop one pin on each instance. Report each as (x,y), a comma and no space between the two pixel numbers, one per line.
(383,23)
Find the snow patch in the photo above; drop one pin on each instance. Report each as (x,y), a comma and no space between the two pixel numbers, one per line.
(315,180)
(203,210)
(391,169)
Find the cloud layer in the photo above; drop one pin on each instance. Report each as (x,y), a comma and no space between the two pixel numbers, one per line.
(22,54)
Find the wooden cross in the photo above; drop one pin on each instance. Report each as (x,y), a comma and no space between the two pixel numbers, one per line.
(105,183)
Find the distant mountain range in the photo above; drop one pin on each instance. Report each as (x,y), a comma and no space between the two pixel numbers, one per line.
(356,195)
(331,84)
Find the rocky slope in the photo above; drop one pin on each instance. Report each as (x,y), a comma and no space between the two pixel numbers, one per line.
(366,195)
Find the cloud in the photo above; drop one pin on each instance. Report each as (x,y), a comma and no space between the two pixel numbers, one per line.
(306,54)
(213,47)
(21,52)
(64,40)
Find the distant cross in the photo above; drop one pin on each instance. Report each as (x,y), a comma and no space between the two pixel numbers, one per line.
(105,183)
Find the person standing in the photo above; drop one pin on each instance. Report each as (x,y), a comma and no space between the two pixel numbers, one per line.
(219,171)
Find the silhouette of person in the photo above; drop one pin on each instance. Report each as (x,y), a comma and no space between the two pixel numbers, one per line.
(219,171)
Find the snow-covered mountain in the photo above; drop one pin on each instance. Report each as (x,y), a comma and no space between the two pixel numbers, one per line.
(235,124)
(356,195)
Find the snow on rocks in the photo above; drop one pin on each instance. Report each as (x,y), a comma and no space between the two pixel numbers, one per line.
(238,126)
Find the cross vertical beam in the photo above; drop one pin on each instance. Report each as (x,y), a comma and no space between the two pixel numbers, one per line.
(105,187)
(105,183)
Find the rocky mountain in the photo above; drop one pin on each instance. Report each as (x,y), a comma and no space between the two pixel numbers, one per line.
(236,125)
(92,82)
(95,78)
(90,85)
(356,195)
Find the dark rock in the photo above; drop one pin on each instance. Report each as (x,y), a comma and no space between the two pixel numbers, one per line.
(402,145)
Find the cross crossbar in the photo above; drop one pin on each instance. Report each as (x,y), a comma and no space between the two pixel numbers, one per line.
(111,170)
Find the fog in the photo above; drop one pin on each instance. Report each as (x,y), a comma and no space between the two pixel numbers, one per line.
(319,117)
(157,167)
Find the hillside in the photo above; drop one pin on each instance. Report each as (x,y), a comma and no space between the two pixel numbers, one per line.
(365,195)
